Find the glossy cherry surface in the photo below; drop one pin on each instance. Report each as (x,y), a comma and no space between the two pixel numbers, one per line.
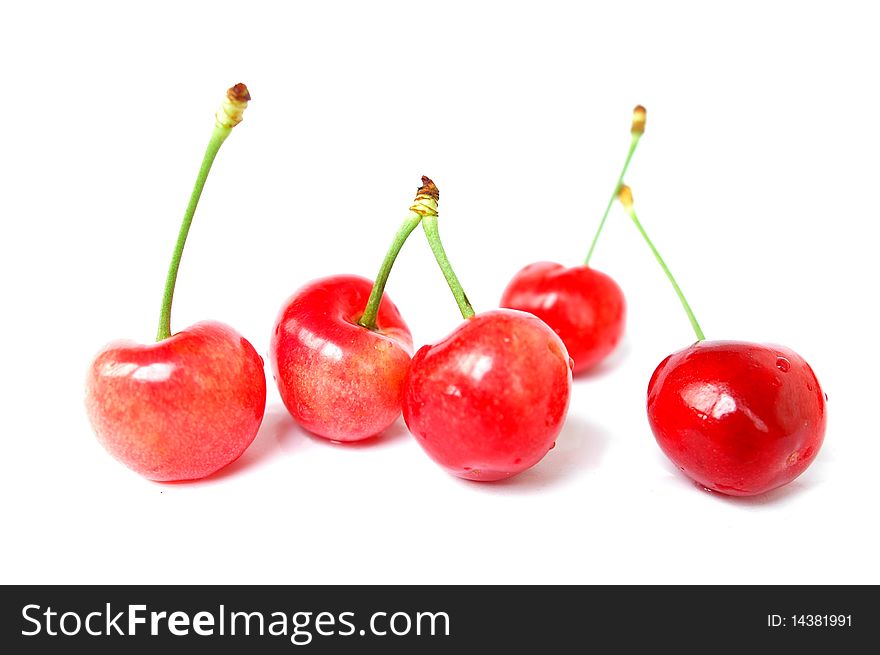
(585,307)
(488,401)
(339,379)
(179,409)
(738,418)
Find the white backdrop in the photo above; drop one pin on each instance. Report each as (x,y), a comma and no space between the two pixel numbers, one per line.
(757,178)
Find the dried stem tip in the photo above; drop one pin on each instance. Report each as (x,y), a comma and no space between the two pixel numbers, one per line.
(429,189)
(426,200)
(640,115)
(625,196)
(231,111)
(239,93)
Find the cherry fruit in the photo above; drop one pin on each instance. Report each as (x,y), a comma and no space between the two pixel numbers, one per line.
(488,401)
(340,349)
(337,378)
(738,418)
(584,306)
(187,406)
(179,409)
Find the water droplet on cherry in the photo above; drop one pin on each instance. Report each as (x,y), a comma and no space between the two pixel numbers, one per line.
(783,364)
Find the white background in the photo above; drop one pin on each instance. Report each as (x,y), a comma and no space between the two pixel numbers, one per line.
(757,178)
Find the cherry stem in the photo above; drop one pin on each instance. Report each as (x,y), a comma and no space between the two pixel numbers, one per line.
(217,138)
(432,231)
(637,130)
(424,204)
(228,116)
(626,199)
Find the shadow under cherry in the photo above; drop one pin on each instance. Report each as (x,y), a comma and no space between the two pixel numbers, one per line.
(579,449)
(608,365)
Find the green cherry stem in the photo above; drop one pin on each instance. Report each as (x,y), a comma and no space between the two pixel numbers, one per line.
(228,116)
(640,115)
(424,204)
(624,194)
(432,231)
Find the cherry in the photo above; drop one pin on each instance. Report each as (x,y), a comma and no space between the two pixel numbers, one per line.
(738,418)
(584,306)
(188,405)
(179,409)
(337,378)
(488,401)
(340,350)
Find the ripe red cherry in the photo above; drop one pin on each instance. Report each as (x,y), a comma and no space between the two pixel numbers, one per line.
(488,401)
(188,405)
(738,418)
(179,409)
(337,378)
(340,349)
(584,307)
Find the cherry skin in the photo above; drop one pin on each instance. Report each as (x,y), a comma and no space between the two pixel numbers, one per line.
(738,418)
(179,409)
(585,307)
(339,379)
(488,401)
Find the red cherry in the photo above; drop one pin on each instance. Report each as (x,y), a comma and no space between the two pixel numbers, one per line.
(340,349)
(179,409)
(488,401)
(583,306)
(188,405)
(739,418)
(337,378)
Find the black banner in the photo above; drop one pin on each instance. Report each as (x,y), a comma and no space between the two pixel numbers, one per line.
(288,619)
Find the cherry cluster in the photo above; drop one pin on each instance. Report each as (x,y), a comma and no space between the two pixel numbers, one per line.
(487,402)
